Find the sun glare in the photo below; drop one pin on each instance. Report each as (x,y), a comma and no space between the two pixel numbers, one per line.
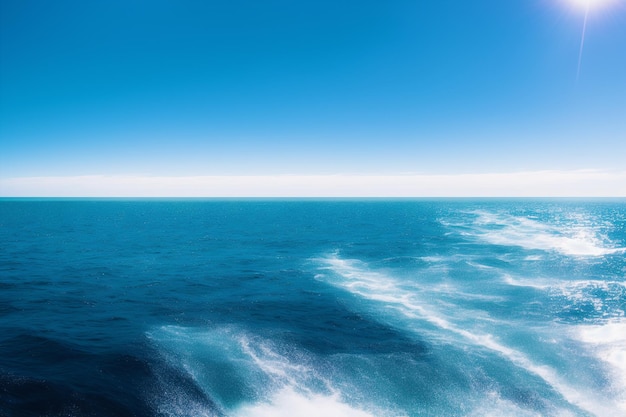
(590,4)
(587,6)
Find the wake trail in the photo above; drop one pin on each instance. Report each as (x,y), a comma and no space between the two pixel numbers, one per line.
(379,287)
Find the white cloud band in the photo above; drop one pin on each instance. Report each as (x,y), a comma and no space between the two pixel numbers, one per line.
(579,183)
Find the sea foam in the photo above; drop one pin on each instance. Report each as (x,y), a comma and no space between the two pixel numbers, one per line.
(281,380)
(578,235)
(605,299)
(288,402)
(357,278)
(608,343)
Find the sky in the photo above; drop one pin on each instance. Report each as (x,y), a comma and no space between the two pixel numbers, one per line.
(298,98)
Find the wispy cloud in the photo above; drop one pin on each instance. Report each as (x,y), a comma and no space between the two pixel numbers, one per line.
(578,183)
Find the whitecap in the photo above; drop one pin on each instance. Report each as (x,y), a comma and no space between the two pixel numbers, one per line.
(287,402)
(607,342)
(606,297)
(284,382)
(577,236)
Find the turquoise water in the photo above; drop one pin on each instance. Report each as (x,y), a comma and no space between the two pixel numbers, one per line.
(312,308)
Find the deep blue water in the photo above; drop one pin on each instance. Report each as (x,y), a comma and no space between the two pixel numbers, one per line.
(312,308)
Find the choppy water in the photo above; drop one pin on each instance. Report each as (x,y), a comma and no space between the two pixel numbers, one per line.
(312,308)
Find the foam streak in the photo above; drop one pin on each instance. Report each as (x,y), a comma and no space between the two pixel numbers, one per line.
(577,237)
(379,287)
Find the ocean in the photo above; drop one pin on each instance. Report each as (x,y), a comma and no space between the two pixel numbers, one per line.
(294,308)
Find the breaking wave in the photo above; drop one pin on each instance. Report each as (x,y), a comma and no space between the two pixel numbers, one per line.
(247,376)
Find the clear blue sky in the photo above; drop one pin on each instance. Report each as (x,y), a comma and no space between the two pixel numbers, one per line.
(173,88)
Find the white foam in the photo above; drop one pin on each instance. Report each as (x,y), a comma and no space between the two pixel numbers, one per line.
(372,285)
(579,236)
(277,367)
(479,265)
(288,385)
(608,343)
(601,294)
(290,403)
(538,284)
(569,288)
(296,397)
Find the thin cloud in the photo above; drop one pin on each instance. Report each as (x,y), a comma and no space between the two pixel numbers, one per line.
(578,183)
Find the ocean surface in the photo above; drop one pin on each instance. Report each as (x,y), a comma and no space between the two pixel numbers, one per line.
(332,308)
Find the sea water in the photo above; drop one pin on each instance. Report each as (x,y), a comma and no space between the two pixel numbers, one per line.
(334,308)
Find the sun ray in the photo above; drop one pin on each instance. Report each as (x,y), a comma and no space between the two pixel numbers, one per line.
(582,40)
(587,6)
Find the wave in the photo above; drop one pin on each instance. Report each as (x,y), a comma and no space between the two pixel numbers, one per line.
(247,376)
(493,405)
(608,343)
(287,402)
(598,298)
(578,236)
(355,277)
